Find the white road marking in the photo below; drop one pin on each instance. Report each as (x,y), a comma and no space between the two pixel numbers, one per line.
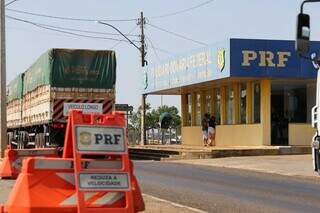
(174,204)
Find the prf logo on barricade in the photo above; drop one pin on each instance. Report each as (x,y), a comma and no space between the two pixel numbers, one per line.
(100,138)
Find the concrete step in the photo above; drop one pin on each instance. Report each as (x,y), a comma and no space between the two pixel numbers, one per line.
(150,154)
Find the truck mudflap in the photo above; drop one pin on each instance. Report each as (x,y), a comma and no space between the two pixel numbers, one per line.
(316,154)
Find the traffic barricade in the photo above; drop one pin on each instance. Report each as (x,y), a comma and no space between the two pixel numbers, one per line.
(12,161)
(95,174)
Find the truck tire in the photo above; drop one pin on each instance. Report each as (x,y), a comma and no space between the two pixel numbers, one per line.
(23,140)
(40,140)
(36,141)
(10,138)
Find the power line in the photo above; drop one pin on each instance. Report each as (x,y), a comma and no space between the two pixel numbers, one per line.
(157,48)
(163,50)
(7,4)
(68,18)
(116,44)
(153,48)
(182,11)
(178,35)
(86,31)
(62,31)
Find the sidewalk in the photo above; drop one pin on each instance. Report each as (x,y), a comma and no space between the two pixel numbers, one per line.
(291,165)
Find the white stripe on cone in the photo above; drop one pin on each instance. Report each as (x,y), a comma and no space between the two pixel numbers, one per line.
(107,199)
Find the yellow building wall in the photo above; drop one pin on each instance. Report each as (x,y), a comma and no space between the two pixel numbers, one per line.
(226,135)
(265,111)
(239,135)
(300,134)
(191,136)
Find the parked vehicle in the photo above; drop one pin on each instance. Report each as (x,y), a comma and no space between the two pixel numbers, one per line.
(302,48)
(38,100)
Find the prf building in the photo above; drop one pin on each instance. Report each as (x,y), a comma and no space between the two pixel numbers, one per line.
(260,91)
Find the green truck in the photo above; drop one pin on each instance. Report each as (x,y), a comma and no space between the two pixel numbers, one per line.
(39,99)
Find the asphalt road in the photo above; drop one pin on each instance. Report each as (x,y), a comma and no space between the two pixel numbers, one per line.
(214,189)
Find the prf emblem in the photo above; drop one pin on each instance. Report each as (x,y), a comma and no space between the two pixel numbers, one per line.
(220,58)
(85,138)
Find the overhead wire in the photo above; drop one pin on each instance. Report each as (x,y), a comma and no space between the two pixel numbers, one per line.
(52,28)
(11,2)
(182,11)
(116,44)
(87,31)
(177,35)
(153,48)
(69,18)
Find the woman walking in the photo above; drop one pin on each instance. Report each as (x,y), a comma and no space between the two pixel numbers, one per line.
(212,131)
(204,124)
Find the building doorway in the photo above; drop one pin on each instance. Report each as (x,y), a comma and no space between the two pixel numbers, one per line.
(288,105)
(279,123)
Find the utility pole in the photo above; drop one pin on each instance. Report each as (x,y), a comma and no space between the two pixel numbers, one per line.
(142,22)
(142,50)
(3,95)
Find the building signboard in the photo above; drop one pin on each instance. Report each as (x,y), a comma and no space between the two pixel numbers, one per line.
(234,58)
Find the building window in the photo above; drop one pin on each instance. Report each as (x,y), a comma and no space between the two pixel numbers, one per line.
(289,102)
(217,105)
(243,102)
(189,102)
(297,102)
(256,102)
(208,104)
(198,109)
(230,99)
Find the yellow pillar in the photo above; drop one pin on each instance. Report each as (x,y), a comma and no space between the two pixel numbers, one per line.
(212,101)
(193,108)
(202,104)
(265,113)
(249,102)
(223,106)
(236,104)
(184,109)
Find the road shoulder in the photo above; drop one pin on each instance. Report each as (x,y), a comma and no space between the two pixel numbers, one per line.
(288,165)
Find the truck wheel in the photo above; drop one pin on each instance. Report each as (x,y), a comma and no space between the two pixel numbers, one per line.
(10,138)
(23,140)
(42,142)
(21,143)
(36,141)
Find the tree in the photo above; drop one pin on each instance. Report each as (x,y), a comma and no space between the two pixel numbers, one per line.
(152,120)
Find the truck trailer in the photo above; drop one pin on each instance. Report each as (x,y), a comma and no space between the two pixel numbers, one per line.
(39,99)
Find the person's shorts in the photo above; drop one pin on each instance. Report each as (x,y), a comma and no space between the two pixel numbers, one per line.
(211,130)
(205,134)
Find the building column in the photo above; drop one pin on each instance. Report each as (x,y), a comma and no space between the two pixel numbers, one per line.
(249,102)
(265,111)
(184,109)
(193,108)
(213,102)
(202,104)
(223,106)
(236,104)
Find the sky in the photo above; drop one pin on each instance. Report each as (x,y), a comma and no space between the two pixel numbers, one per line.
(213,22)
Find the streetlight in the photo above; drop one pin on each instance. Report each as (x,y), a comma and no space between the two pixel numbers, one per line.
(143,63)
(131,42)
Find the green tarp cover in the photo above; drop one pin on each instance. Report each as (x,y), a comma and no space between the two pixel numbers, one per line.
(72,68)
(14,89)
